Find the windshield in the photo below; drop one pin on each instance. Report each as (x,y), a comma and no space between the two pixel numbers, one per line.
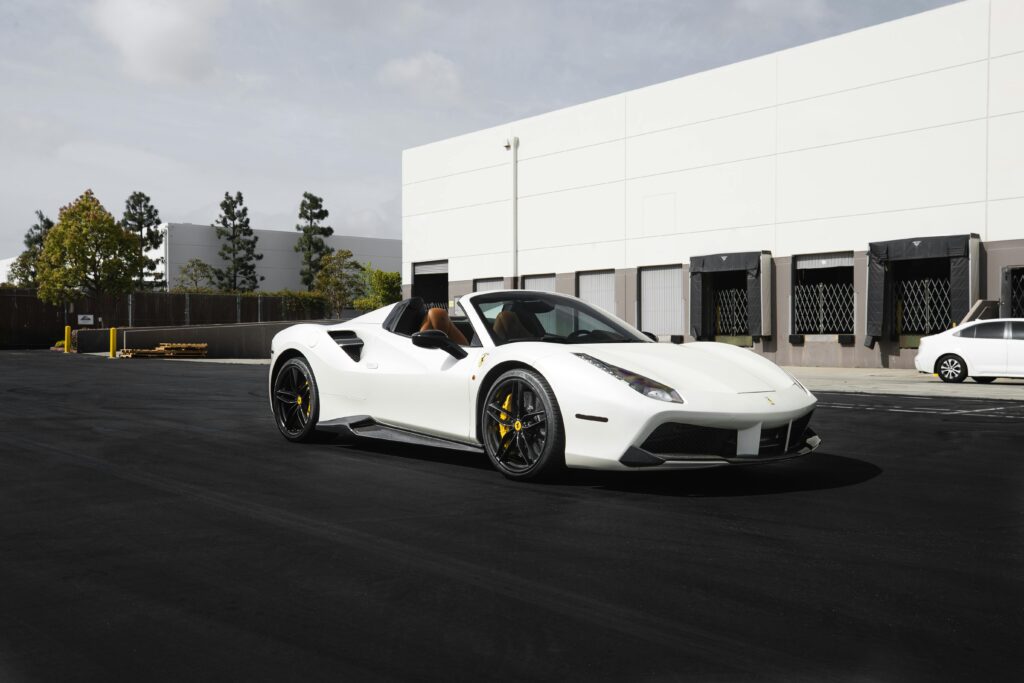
(541,316)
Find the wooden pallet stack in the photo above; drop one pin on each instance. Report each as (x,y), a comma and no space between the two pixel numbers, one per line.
(166,350)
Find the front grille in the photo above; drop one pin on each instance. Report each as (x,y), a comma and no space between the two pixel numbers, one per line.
(680,440)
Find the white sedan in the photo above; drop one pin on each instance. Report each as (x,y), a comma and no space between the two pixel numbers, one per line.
(537,381)
(982,350)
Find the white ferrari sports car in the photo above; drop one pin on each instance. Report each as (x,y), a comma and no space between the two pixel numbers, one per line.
(538,381)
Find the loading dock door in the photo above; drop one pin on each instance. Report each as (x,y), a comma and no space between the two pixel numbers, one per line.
(910,282)
(661,300)
(1011,295)
(597,289)
(730,295)
(430,283)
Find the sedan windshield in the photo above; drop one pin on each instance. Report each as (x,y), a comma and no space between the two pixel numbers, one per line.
(541,316)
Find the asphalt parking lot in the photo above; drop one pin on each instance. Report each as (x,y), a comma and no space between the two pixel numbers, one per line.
(154,526)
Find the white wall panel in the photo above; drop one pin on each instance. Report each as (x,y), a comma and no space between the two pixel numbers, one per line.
(653,251)
(577,168)
(456,191)
(708,95)
(712,142)
(855,232)
(590,214)
(446,234)
(925,168)
(1006,220)
(1006,157)
(593,256)
(1007,26)
(948,36)
(932,99)
(468,152)
(1006,83)
(729,195)
(586,124)
(476,266)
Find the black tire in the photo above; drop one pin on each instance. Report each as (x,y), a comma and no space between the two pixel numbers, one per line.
(984,380)
(296,400)
(951,368)
(521,427)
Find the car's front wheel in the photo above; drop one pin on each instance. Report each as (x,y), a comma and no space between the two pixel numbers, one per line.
(952,368)
(522,426)
(296,400)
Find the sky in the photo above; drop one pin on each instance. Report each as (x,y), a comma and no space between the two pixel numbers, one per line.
(187,99)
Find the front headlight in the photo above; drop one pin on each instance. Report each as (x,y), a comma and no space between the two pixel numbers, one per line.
(638,383)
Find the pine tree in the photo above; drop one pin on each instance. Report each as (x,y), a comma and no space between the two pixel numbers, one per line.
(238,248)
(311,242)
(142,219)
(25,269)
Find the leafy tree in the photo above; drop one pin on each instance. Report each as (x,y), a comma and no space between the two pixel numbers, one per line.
(195,276)
(311,242)
(238,249)
(142,220)
(23,270)
(381,287)
(340,280)
(86,252)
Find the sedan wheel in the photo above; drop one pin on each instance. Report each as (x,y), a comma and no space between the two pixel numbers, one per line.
(522,426)
(952,369)
(296,400)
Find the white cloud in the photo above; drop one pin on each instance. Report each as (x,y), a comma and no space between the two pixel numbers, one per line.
(160,41)
(426,75)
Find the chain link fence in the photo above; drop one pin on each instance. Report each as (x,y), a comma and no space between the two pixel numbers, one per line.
(923,306)
(731,312)
(823,308)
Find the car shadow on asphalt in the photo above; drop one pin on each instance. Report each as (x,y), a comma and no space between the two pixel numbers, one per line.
(814,472)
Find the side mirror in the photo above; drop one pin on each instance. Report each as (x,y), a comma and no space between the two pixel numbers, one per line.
(436,339)
(650,335)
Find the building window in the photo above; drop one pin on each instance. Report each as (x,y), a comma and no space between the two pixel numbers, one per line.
(430,282)
(597,289)
(540,283)
(823,300)
(488,284)
(661,300)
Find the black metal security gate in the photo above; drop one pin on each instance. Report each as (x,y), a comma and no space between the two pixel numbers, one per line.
(731,317)
(1017,293)
(823,308)
(923,305)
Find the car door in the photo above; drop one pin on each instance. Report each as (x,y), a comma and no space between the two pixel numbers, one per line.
(1015,350)
(426,390)
(986,350)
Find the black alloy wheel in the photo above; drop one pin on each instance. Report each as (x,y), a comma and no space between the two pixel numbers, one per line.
(952,369)
(522,427)
(296,400)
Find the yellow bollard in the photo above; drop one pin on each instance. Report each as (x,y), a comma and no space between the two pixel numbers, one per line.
(67,339)
(113,342)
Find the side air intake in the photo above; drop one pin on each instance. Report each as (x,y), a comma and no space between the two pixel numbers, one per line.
(349,343)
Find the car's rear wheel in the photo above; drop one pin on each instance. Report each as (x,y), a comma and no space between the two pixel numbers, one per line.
(522,427)
(952,368)
(984,380)
(296,400)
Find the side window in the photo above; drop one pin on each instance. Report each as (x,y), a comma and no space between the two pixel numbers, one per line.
(458,316)
(968,331)
(1017,331)
(990,330)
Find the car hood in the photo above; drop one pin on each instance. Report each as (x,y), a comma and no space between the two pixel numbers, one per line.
(698,366)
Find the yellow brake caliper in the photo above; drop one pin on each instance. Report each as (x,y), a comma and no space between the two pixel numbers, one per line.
(507,405)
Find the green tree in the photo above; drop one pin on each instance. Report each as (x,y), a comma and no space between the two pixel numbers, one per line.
(142,220)
(24,269)
(86,252)
(340,280)
(311,242)
(195,276)
(238,248)
(381,288)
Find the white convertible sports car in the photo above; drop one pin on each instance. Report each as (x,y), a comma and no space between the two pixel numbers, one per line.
(538,381)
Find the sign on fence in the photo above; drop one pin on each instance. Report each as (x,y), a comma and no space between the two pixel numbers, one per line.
(85,319)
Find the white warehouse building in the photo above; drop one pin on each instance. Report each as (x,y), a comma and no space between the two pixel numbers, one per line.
(824,205)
